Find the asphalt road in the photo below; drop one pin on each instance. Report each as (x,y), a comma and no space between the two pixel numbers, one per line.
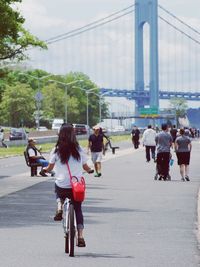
(130,219)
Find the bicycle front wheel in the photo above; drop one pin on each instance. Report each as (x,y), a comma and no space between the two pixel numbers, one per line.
(71,231)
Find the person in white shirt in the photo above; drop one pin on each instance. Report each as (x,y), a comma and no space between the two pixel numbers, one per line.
(35,155)
(68,150)
(148,140)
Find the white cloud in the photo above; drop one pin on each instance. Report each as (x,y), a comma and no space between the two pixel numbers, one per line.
(37,18)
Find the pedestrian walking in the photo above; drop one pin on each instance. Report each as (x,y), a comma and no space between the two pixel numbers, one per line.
(173,133)
(163,143)
(95,145)
(183,147)
(148,140)
(135,137)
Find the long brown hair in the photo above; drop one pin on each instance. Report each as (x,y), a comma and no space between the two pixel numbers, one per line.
(67,145)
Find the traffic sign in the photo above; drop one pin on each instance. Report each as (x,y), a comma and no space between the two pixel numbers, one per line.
(38,96)
(148,111)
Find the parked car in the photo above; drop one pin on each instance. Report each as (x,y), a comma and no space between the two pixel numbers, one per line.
(18,134)
(57,124)
(42,128)
(80,128)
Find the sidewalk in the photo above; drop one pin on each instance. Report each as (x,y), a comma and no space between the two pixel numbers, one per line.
(148,223)
(19,182)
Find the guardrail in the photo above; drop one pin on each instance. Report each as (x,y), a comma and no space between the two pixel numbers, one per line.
(52,139)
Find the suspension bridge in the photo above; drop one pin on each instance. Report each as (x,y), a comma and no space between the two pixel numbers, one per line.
(143,53)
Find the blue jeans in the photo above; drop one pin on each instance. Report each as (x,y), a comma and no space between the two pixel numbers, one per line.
(43,162)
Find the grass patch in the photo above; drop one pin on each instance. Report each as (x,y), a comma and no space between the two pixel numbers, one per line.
(46,148)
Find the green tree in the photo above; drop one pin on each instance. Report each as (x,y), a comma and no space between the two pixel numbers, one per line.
(76,99)
(17,106)
(180,106)
(14,38)
(55,100)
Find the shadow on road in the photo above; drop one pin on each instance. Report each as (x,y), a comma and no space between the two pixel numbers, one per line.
(4,176)
(102,255)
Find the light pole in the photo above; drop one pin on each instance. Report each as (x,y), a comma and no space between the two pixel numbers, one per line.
(89,91)
(100,98)
(66,84)
(38,96)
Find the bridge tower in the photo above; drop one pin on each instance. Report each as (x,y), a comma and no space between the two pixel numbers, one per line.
(146,11)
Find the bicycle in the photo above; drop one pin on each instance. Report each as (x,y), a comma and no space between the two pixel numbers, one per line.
(69,226)
(108,144)
(2,144)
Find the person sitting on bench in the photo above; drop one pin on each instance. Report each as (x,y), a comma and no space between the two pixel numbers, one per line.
(36,156)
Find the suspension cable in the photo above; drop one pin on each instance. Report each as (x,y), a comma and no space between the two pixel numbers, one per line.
(176,28)
(58,37)
(184,23)
(88,29)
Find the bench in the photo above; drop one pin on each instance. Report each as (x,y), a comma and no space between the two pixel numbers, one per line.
(113,148)
(32,165)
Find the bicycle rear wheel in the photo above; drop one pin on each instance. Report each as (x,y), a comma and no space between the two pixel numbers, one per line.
(71,231)
(65,226)
(66,243)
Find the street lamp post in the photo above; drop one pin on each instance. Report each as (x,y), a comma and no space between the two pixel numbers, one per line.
(38,96)
(65,85)
(100,98)
(89,91)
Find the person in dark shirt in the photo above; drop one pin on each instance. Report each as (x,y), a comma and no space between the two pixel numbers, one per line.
(163,143)
(95,145)
(173,133)
(135,136)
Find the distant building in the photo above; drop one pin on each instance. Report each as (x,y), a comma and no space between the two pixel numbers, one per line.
(193,115)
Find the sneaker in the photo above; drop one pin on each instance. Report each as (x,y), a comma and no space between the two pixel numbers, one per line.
(42,173)
(81,242)
(58,216)
(164,178)
(187,178)
(52,173)
(99,174)
(182,179)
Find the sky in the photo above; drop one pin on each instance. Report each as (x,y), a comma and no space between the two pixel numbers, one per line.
(48,18)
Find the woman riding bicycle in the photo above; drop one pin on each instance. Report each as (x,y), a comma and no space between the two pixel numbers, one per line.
(68,150)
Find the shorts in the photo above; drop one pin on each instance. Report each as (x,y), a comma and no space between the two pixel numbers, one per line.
(183,158)
(96,156)
(63,193)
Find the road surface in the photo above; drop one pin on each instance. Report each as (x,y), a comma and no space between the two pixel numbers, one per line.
(130,219)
